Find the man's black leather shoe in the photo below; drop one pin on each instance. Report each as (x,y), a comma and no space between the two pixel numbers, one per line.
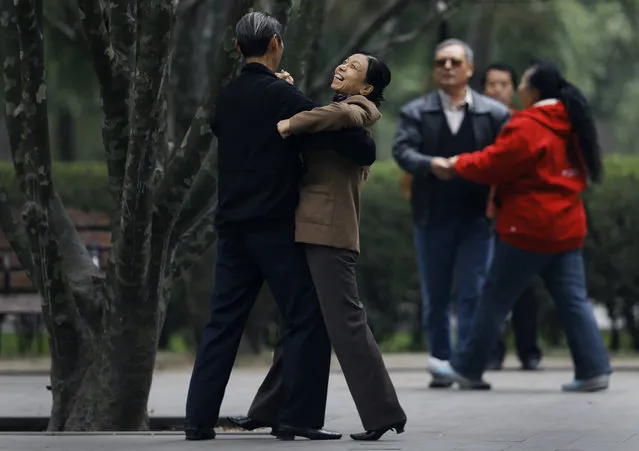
(286,432)
(197,433)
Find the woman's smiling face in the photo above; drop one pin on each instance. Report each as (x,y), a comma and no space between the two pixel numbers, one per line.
(350,76)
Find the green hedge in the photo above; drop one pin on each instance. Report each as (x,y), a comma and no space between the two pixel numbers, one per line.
(82,185)
(388,279)
(387,267)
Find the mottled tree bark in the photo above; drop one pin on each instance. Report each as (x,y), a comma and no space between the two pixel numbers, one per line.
(480,39)
(62,292)
(112,60)
(302,45)
(197,32)
(281,9)
(102,335)
(183,165)
(15,231)
(135,325)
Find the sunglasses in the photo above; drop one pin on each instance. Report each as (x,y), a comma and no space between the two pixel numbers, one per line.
(454,62)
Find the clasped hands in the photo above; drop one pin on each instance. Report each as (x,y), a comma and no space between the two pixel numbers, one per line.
(284,127)
(443,168)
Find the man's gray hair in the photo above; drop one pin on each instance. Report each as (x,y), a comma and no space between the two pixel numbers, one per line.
(254,32)
(470,55)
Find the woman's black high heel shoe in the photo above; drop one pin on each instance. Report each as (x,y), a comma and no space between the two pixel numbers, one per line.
(376,434)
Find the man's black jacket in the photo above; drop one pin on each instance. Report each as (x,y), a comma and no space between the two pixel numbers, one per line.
(259,172)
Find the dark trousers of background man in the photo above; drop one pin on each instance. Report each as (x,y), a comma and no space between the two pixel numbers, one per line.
(244,261)
(446,250)
(524,325)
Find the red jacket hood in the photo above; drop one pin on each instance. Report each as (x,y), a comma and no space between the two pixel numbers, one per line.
(554,117)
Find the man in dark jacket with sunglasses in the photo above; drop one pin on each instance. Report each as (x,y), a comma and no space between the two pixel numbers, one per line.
(453,235)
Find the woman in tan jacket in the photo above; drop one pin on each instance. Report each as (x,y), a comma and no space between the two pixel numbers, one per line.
(327,225)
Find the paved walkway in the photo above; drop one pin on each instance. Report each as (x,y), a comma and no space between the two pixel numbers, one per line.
(524,412)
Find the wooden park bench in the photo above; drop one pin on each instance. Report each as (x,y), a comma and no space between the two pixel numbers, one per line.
(19,297)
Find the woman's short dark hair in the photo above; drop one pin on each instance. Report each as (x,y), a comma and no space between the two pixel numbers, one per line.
(547,79)
(254,31)
(378,76)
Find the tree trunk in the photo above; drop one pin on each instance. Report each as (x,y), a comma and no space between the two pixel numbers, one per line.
(480,39)
(303,41)
(197,30)
(97,385)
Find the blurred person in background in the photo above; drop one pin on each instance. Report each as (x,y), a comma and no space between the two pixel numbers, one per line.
(499,81)
(453,236)
(540,164)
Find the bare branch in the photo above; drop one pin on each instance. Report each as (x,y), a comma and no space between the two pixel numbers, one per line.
(201,195)
(17,237)
(113,73)
(122,27)
(359,39)
(92,15)
(34,144)
(61,27)
(82,279)
(185,162)
(12,84)
(185,5)
(281,9)
(132,251)
(304,44)
(191,245)
(422,28)
(48,226)
(35,129)
(196,239)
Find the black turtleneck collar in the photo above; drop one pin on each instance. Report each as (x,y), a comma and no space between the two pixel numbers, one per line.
(258,68)
(339,97)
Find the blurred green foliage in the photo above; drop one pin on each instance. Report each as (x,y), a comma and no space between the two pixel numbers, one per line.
(81,185)
(594,42)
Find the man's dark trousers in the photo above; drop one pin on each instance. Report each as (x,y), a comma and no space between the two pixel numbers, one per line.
(447,250)
(244,261)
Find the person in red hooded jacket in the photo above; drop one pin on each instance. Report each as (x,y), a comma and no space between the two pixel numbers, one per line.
(540,164)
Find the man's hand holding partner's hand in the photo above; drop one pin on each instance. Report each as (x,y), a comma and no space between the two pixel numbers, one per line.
(284,127)
(442,168)
(283,75)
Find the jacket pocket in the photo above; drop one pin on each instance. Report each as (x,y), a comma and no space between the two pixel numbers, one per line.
(315,208)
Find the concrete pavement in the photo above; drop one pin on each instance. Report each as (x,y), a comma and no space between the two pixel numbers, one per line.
(524,412)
